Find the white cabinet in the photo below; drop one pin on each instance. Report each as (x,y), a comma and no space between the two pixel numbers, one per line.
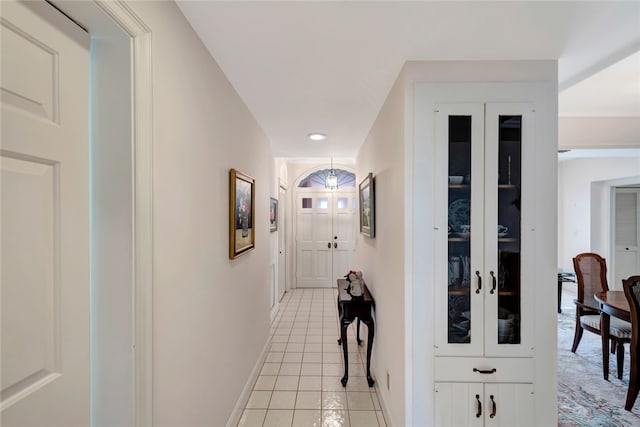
(478,404)
(486,231)
(485,243)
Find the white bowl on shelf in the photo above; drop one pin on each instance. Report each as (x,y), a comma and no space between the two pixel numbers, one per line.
(455,179)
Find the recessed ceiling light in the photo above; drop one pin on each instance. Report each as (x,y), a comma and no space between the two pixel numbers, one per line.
(317,136)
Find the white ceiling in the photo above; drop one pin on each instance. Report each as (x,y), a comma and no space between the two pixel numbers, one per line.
(327,67)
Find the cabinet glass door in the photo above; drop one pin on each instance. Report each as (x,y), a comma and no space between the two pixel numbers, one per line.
(459,208)
(508,230)
(459,230)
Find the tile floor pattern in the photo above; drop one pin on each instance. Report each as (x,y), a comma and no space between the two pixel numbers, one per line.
(299,385)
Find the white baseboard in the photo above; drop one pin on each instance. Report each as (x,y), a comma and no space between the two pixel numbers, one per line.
(248,387)
(384,405)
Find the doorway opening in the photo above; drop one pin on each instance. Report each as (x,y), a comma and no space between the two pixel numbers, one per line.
(325,227)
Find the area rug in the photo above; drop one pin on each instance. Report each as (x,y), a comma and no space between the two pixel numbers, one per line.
(585,399)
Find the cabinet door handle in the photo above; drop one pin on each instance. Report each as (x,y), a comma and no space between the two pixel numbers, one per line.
(479,282)
(493,407)
(335,245)
(485,371)
(329,245)
(494,280)
(479,411)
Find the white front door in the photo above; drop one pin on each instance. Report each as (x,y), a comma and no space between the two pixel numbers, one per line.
(344,240)
(325,238)
(45,218)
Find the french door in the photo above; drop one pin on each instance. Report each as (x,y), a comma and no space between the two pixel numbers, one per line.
(325,236)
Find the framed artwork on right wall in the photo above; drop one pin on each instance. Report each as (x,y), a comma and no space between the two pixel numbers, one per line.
(367,206)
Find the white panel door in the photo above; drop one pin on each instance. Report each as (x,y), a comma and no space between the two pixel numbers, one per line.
(627,234)
(344,214)
(282,243)
(314,264)
(44,218)
(325,237)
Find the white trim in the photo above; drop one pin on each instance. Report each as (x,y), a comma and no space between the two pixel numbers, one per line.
(142,189)
(142,150)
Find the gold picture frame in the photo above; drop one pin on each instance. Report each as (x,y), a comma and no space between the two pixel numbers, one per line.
(242,196)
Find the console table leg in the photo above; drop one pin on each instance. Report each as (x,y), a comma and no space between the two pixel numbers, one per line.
(339,316)
(345,351)
(370,326)
(358,333)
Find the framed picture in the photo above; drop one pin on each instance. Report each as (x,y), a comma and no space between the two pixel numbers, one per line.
(273,214)
(242,194)
(367,206)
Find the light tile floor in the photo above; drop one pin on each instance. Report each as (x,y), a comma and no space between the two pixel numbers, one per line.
(299,384)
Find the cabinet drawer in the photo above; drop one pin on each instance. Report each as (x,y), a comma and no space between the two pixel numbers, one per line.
(461,369)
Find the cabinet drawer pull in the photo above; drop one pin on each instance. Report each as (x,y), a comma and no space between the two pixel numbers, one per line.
(493,407)
(479,282)
(494,280)
(487,371)
(479,411)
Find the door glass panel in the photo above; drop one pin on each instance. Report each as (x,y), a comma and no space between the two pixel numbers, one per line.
(459,235)
(323,203)
(343,203)
(307,203)
(508,228)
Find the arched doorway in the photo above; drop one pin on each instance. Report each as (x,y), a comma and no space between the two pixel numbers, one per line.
(325,227)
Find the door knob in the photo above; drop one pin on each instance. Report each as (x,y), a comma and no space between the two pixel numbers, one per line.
(335,245)
(329,245)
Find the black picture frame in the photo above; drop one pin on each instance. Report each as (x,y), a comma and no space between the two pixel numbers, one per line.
(367,206)
(273,214)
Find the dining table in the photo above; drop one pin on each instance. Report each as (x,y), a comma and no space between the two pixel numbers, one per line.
(614,303)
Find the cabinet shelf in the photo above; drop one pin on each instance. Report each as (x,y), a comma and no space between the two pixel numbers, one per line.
(458,290)
(500,239)
(508,186)
(459,186)
(508,293)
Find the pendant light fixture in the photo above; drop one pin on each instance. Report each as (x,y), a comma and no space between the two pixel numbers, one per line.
(332,179)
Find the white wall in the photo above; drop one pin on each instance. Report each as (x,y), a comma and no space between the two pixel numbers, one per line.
(211,314)
(598,132)
(575,198)
(382,258)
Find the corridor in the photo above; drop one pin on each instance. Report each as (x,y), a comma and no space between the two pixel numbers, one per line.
(299,384)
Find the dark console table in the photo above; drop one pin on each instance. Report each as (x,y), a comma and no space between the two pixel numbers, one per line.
(349,308)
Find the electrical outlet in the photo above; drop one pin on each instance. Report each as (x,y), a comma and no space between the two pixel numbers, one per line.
(387,380)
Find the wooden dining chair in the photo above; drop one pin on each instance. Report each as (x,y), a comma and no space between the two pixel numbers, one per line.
(591,277)
(632,292)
